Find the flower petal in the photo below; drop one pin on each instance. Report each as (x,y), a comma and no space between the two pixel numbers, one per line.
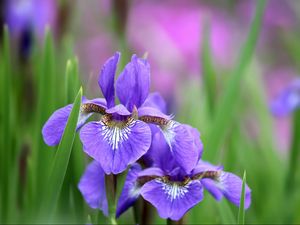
(151,171)
(115,147)
(152,112)
(203,166)
(107,77)
(212,188)
(287,101)
(92,187)
(159,152)
(155,100)
(119,109)
(133,83)
(53,129)
(231,186)
(227,184)
(182,145)
(170,199)
(130,191)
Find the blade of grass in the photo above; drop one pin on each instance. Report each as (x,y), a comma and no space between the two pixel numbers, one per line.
(241,215)
(226,214)
(227,103)
(110,185)
(6,151)
(41,154)
(61,159)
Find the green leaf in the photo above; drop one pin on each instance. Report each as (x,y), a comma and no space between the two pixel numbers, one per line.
(5,118)
(61,159)
(229,98)
(110,184)
(209,75)
(226,214)
(241,216)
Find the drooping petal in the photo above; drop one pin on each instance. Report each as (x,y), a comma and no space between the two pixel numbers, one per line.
(133,83)
(107,78)
(287,101)
(212,188)
(159,152)
(53,129)
(130,191)
(182,145)
(225,184)
(116,145)
(92,187)
(203,166)
(155,100)
(231,186)
(171,199)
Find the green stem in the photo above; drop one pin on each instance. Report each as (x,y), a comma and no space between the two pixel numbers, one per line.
(291,173)
(170,222)
(111,188)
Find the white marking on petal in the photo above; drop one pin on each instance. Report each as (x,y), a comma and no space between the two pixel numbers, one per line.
(135,191)
(173,190)
(220,182)
(115,135)
(82,118)
(169,133)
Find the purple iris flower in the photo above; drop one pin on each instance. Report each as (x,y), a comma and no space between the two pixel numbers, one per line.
(21,15)
(288,100)
(123,134)
(173,191)
(170,189)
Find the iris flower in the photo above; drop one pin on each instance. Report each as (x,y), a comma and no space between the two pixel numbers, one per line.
(288,100)
(166,185)
(123,133)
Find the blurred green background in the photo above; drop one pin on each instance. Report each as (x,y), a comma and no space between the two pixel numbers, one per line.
(218,64)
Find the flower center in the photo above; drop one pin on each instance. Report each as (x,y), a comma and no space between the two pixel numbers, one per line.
(116,131)
(174,190)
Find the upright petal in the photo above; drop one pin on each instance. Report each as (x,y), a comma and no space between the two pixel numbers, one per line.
(133,83)
(130,191)
(107,79)
(172,200)
(116,144)
(155,100)
(119,109)
(92,187)
(53,129)
(182,145)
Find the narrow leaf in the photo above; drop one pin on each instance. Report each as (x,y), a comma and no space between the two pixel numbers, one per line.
(229,98)
(209,75)
(62,156)
(241,216)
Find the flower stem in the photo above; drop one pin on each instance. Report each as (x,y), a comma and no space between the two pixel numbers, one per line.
(111,187)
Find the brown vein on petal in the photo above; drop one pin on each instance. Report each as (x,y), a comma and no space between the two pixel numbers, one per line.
(93,108)
(154,119)
(207,174)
